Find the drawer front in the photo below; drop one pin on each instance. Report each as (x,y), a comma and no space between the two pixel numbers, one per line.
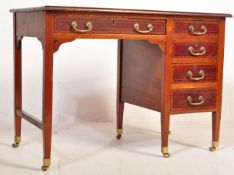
(193,50)
(103,25)
(140,26)
(193,99)
(194,73)
(196,28)
(83,24)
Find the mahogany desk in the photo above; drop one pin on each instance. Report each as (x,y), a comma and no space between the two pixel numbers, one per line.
(170,62)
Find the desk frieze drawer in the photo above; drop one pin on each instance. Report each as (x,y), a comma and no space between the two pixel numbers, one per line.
(185,100)
(194,73)
(195,49)
(101,25)
(196,28)
(140,26)
(82,25)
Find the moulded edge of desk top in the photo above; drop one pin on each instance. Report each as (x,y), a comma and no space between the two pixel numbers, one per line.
(113,10)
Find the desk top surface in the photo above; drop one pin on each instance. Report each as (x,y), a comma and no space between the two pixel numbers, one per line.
(112,10)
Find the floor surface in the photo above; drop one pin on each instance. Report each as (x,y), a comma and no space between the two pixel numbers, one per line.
(91,149)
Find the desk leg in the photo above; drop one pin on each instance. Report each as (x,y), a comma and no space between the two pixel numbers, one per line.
(120,109)
(17,88)
(216,116)
(47,104)
(166,89)
(165,124)
(119,103)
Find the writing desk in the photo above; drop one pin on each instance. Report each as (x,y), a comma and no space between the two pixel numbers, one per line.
(170,62)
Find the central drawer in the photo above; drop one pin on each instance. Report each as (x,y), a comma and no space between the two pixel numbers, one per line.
(99,24)
(140,26)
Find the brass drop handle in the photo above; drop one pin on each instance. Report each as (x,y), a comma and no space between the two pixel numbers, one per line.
(137,28)
(190,101)
(201,74)
(202,32)
(88,26)
(202,51)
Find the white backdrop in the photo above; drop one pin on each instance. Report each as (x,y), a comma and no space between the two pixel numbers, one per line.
(85,70)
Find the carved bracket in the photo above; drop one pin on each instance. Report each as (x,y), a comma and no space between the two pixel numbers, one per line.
(41,41)
(56,42)
(160,43)
(20,38)
(59,41)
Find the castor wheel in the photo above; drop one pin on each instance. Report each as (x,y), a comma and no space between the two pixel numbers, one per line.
(15,145)
(118,136)
(46,165)
(17,142)
(166,155)
(212,149)
(119,133)
(44,168)
(214,145)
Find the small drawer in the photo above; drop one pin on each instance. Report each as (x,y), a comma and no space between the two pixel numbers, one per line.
(100,24)
(195,49)
(194,73)
(83,24)
(196,28)
(193,99)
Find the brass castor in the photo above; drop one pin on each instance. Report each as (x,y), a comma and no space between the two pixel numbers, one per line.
(17,142)
(119,134)
(15,145)
(169,132)
(46,165)
(44,168)
(165,153)
(212,149)
(214,145)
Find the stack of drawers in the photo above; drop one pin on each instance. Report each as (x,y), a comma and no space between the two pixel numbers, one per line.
(194,66)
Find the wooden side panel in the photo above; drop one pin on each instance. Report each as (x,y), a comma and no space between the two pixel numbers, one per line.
(31,24)
(141,74)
